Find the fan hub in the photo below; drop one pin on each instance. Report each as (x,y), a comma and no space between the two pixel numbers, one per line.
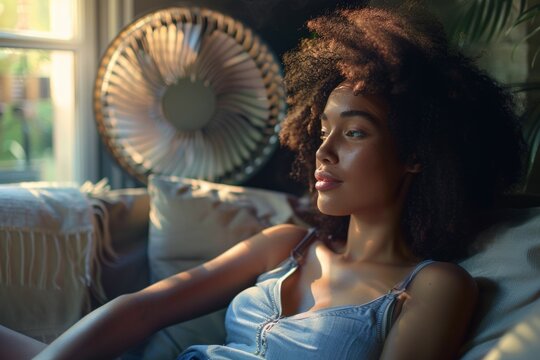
(188,104)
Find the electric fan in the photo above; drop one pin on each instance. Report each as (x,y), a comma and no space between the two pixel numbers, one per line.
(189,92)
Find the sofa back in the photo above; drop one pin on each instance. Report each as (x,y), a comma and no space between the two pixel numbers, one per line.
(505,264)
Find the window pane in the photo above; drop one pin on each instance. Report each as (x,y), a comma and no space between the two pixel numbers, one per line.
(47,18)
(36,94)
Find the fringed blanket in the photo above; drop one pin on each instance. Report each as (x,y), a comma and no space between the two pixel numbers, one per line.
(51,244)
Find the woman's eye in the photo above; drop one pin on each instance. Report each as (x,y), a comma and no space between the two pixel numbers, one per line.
(323,135)
(355,133)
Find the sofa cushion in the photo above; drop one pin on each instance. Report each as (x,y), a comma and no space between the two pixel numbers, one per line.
(522,342)
(48,258)
(192,221)
(506,266)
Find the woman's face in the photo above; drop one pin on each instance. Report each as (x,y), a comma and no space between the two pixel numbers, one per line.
(358,169)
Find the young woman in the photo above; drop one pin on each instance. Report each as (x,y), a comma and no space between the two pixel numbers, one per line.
(402,141)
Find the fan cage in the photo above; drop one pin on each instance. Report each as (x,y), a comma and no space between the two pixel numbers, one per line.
(141,165)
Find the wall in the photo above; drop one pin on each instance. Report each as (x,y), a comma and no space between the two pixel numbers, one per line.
(281,24)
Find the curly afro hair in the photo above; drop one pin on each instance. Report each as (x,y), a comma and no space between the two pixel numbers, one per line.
(445,114)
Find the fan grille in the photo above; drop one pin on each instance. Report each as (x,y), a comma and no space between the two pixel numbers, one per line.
(189,92)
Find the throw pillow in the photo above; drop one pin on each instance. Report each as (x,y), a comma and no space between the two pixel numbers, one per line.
(192,221)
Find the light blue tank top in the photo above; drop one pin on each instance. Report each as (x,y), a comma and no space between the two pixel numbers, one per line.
(257,330)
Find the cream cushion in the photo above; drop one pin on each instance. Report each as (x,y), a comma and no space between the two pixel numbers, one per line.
(506,267)
(522,342)
(192,221)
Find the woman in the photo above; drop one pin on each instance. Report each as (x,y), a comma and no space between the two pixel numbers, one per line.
(402,141)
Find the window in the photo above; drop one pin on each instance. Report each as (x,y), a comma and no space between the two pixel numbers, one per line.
(47,67)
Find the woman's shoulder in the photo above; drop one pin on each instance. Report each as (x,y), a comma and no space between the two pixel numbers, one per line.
(444,280)
(443,274)
(438,307)
(286,232)
(279,241)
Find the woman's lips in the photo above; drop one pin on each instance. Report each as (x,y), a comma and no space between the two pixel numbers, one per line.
(326,181)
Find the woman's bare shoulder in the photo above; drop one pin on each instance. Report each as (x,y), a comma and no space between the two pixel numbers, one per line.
(278,241)
(444,277)
(438,307)
(286,232)
(443,295)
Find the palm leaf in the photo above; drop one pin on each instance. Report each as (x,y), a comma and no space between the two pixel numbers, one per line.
(482,20)
(496,8)
(477,24)
(532,136)
(525,38)
(526,15)
(522,5)
(462,21)
(533,61)
(531,128)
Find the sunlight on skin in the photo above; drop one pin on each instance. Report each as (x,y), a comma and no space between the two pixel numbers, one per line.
(377,245)
(372,180)
(331,286)
(169,283)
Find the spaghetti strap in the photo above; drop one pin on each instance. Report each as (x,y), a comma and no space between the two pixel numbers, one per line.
(298,252)
(405,283)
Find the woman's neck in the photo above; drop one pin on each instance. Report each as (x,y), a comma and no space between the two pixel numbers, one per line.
(378,239)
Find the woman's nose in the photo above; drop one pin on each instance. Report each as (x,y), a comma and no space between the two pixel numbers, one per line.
(326,153)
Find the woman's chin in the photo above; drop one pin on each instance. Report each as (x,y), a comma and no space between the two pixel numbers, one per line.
(331,209)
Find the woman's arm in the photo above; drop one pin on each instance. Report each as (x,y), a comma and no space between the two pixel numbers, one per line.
(435,316)
(128,319)
(16,346)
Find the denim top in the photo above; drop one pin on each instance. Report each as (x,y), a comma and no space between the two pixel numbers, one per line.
(257,330)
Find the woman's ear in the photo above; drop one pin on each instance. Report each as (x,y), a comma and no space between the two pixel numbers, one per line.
(413,166)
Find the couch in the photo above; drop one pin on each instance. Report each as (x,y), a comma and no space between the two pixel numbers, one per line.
(65,250)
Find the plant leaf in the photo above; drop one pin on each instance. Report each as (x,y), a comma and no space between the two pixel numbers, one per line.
(508,11)
(524,86)
(496,10)
(532,136)
(479,25)
(525,38)
(483,19)
(533,61)
(522,6)
(526,15)
(461,27)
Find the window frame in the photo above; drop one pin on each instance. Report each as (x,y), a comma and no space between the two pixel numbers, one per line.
(76,159)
